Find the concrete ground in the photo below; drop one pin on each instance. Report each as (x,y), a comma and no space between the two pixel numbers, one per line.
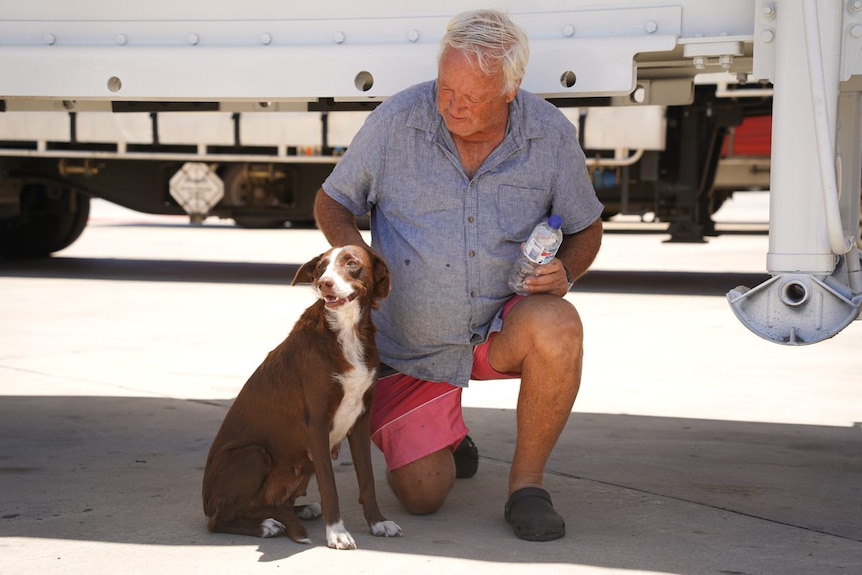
(694,448)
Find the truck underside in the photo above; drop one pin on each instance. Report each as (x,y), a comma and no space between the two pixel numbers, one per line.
(47,184)
(182,90)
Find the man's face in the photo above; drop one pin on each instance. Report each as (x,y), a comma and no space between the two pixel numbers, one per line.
(470,102)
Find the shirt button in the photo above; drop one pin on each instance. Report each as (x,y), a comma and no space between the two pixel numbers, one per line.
(472,254)
(472,294)
(470,219)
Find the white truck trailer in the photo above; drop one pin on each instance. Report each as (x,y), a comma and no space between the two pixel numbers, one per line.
(240,110)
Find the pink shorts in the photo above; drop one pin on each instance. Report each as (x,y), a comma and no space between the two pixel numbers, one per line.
(412,418)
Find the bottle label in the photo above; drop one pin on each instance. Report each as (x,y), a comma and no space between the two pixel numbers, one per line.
(536,253)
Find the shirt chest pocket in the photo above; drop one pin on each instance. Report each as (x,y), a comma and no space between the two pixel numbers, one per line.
(520,209)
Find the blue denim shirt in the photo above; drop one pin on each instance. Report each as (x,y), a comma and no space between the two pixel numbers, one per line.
(450,240)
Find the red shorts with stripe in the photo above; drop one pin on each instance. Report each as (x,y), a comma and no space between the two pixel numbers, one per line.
(412,418)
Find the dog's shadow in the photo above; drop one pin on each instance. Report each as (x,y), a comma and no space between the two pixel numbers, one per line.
(278,548)
(84,471)
(474,505)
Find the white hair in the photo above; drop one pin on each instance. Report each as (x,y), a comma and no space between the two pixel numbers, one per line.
(494,42)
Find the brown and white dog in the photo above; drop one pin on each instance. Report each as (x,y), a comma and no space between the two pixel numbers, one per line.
(293,412)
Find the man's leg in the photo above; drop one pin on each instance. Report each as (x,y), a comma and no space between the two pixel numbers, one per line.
(417,424)
(542,338)
(543,342)
(422,486)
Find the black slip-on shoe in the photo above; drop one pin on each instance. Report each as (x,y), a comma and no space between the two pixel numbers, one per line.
(466,458)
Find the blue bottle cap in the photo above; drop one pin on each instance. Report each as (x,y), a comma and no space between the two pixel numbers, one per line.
(555,221)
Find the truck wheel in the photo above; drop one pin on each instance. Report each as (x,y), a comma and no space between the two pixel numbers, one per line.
(245,191)
(52,217)
(258,222)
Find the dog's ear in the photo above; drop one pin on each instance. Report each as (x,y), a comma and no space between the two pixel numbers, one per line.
(305,274)
(381,277)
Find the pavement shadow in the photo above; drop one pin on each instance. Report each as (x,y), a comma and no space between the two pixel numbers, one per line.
(637,491)
(602,281)
(122,269)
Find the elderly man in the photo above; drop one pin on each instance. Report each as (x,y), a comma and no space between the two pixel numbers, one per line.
(456,172)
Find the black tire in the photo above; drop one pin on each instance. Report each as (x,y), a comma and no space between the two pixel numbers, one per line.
(241,194)
(258,222)
(52,217)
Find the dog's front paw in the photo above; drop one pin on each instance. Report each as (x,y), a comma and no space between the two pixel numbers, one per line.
(308,511)
(337,536)
(385,529)
(271,527)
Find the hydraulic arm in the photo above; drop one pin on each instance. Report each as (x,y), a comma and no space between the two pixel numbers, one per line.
(816,285)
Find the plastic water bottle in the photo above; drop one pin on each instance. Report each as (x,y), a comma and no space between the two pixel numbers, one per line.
(539,249)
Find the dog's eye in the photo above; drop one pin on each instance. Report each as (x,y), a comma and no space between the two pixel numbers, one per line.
(352,263)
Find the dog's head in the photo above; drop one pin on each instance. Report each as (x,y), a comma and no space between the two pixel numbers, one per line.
(344,274)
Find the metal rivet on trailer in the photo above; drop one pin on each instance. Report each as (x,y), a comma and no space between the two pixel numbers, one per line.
(856,5)
(121,39)
(50,39)
(114,84)
(651,26)
(769,9)
(767,36)
(339,37)
(194,39)
(856,31)
(568,30)
(266,39)
(413,35)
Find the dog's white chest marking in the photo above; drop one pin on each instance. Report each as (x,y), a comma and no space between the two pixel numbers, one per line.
(356,380)
(355,383)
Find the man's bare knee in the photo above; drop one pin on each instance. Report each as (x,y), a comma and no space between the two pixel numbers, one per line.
(419,502)
(422,486)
